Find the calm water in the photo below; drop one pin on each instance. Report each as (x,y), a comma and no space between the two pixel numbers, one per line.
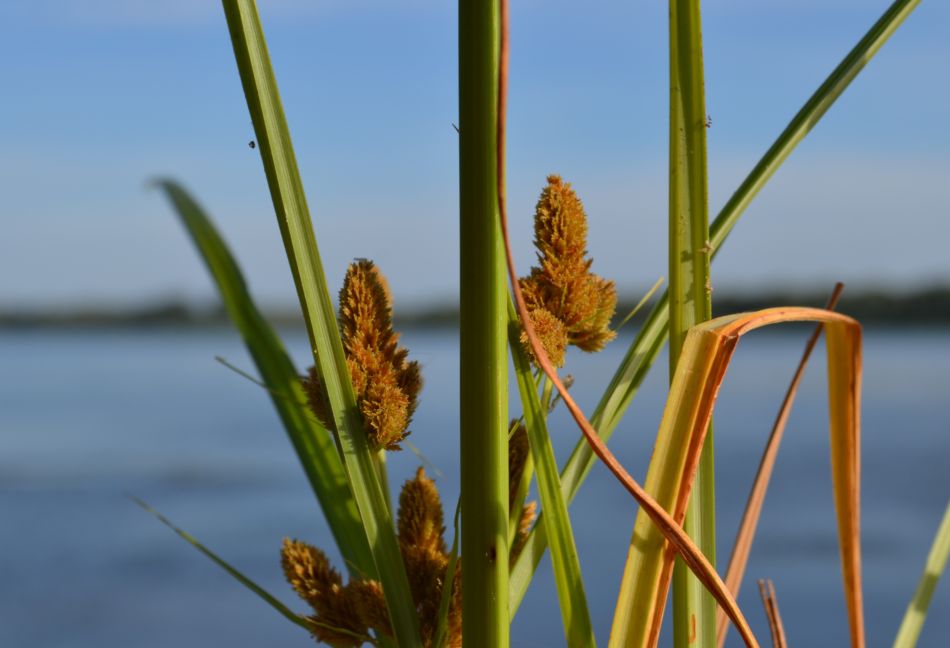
(86,418)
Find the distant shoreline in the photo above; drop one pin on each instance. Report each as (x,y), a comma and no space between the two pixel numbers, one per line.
(929,307)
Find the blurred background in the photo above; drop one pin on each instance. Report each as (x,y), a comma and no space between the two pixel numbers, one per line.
(109,327)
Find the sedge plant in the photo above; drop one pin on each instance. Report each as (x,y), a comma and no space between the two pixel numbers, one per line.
(402,583)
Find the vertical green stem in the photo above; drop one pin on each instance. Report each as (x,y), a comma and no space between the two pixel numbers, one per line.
(694,610)
(484,364)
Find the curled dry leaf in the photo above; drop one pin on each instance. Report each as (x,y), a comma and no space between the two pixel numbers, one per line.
(705,357)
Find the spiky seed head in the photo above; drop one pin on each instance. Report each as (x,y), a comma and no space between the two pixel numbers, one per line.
(562,287)
(420,514)
(528,514)
(366,597)
(338,623)
(594,333)
(560,231)
(551,332)
(421,529)
(426,570)
(308,571)
(366,310)
(385,409)
(387,385)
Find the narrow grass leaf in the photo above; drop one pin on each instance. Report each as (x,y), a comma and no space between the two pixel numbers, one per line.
(441,631)
(808,116)
(268,598)
(750,518)
(293,217)
(649,341)
(314,446)
(517,504)
(567,570)
(916,613)
(640,304)
(705,358)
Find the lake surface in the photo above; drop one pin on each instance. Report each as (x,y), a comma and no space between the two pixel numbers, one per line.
(86,418)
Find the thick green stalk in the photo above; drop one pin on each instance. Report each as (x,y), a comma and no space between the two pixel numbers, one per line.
(296,227)
(649,341)
(483,357)
(694,610)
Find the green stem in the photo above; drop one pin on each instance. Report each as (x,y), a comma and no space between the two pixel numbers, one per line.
(694,609)
(483,331)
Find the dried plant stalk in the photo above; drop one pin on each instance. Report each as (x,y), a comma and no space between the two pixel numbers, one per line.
(706,356)
(770,603)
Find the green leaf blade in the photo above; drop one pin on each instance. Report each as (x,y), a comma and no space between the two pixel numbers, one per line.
(293,217)
(916,613)
(808,116)
(267,597)
(314,447)
(578,629)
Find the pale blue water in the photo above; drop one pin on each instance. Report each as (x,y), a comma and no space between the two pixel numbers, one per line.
(88,417)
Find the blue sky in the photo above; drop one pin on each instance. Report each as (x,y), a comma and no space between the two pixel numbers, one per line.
(100,96)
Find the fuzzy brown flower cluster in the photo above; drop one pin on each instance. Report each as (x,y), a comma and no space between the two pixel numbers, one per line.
(346,614)
(421,530)
(568,304)
(386,384)
(343,614)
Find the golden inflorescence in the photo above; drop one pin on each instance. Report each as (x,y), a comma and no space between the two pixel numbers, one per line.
(568,304)
(344,615)
(386,383)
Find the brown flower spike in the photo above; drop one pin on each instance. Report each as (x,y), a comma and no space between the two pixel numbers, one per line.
(386,384)
(568,303)
(423,550)
(337,622)
(345,615)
